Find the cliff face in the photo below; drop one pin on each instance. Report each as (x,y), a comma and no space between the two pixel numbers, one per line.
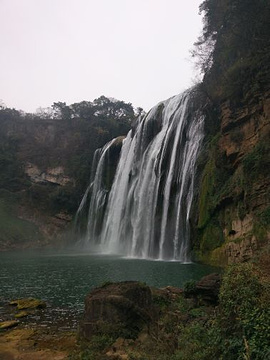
(234,201)
(234,197)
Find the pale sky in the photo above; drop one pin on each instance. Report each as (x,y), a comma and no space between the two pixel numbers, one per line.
(75,50)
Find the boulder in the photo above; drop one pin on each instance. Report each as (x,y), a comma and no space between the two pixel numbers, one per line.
(208,288)
(117,309)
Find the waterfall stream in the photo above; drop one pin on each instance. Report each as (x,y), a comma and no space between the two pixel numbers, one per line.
(145,211)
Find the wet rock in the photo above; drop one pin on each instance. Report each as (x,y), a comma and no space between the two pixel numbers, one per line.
(119,309)
(8,324)
(28,303)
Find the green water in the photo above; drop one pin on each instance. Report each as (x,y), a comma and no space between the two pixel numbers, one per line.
(64,279)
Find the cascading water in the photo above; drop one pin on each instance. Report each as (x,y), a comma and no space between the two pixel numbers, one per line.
(147,210)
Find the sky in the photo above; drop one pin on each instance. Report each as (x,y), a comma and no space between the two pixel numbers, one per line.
(74,50)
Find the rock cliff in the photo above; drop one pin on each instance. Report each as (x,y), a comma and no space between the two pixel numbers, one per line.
(234,212)
(233,54)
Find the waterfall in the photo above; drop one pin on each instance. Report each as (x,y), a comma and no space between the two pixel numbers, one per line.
(146,211)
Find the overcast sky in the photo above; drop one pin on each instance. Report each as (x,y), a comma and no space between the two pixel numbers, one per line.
(74,50)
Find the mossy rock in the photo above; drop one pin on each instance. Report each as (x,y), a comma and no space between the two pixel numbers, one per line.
(8,324)
(21,314)
(28,303)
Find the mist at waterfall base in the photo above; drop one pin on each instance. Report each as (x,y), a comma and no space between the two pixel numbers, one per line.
(144,210)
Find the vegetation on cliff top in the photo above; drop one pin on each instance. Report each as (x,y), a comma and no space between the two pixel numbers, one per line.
(234,49)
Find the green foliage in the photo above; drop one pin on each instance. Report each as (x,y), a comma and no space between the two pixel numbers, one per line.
(134,356)
(198,312)
(233,50)
(260,231)
(161,301)
(212,236)
(220,186)
(190,287)
(12,175)
(94,349)
(102,107)
(257,162)
(264,217)
(13,229)
(206,204)
(195,343)
(239,292)
(215,184)
(64,198)
(239,329)
(100,342)
(244,313)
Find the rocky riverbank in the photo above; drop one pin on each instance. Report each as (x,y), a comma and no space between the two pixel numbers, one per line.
(31,330)
(121,320)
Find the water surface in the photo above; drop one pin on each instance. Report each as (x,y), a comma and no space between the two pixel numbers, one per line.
(63,279)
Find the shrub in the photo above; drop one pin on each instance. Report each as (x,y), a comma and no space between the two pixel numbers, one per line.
(257,162)
(244,316)
(190,288)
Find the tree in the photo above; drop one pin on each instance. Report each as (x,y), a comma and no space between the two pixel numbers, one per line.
(2,104)
(82,110)
(234,47)
(110,108)
(61,111)
(45,113)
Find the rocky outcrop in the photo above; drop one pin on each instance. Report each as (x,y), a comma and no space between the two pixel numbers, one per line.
(50,175)
(128,320)
(208,288)
(205,291)
(241,251)
(242,128)
(120,308)
(234,198)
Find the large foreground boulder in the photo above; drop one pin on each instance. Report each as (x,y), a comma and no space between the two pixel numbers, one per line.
(118,309)
(208,288)
(205,290)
